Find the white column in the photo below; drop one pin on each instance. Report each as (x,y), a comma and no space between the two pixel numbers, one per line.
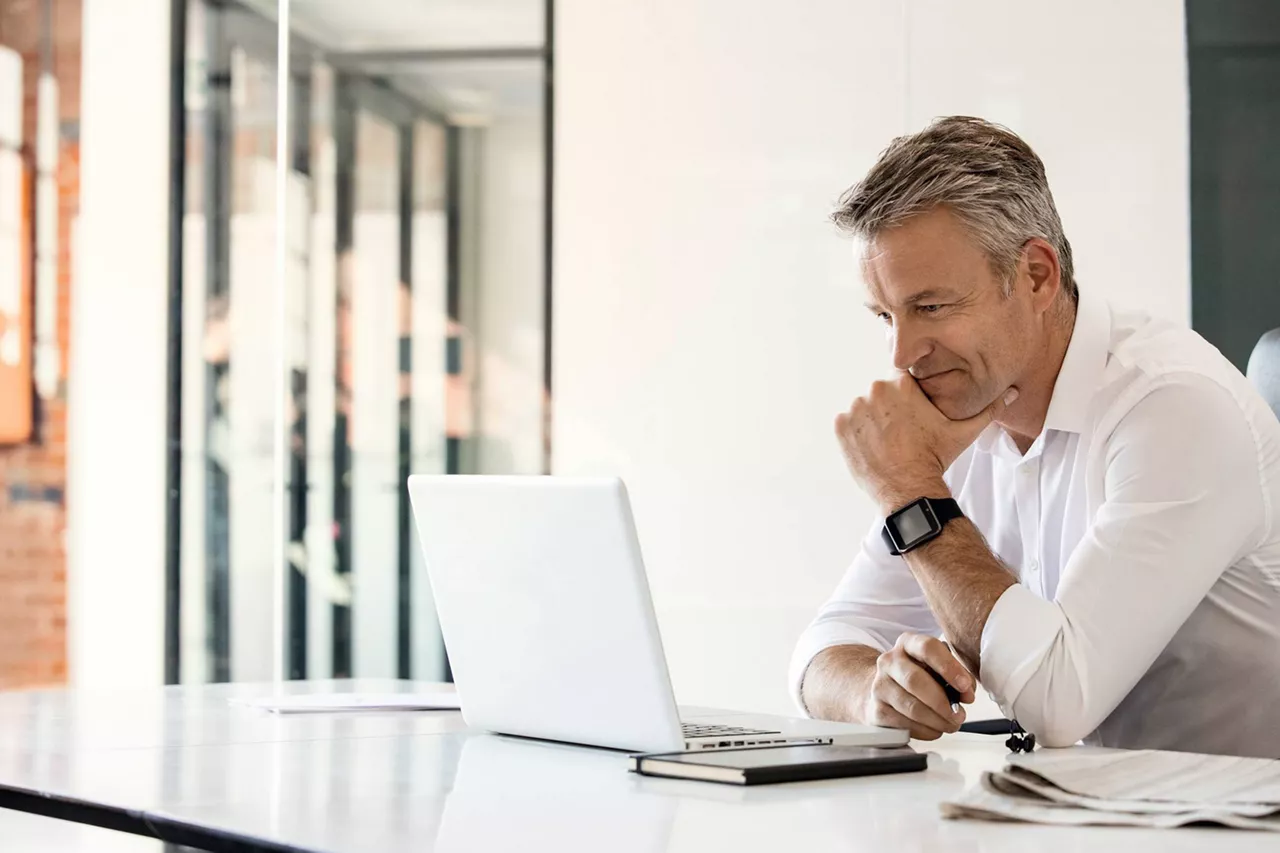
(508,322)
(251,390)
(323,586)
(116,432)
(428,442)
(46,355)
(375,303)
(375,413)
(195,595)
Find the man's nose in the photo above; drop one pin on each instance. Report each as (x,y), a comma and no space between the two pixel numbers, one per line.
(909,347)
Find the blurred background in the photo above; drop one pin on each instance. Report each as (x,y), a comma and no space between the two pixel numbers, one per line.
(209,400)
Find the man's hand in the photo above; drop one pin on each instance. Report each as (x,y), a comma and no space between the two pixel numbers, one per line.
(898,445)
(904,695)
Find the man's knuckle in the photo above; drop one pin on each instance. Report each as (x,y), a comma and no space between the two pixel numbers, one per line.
(916,681)
(933,647)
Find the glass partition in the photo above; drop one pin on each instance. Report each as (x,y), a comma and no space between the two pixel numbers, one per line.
(416,286)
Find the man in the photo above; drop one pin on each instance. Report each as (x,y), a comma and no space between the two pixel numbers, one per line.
(1112,570)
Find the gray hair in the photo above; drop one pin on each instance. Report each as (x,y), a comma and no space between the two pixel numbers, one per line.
(982,172)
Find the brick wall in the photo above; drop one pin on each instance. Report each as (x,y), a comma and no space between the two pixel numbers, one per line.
(33,612)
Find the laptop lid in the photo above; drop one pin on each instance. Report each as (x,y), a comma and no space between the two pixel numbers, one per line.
(545,609)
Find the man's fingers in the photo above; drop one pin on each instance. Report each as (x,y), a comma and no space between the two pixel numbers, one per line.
(885,715)
(920,683)
(936,655)
(913,707)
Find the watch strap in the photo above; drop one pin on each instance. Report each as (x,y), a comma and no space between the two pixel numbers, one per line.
(946,509)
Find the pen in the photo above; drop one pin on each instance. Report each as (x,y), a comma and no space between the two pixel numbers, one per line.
(953,695)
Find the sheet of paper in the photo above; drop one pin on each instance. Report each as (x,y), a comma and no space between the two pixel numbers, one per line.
(985,802)
(330,703)
(1156,775)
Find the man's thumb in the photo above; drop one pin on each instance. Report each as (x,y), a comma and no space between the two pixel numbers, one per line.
(983,419)
(1002,402)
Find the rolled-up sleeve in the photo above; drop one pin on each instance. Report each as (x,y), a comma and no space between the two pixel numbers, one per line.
(876,600)
(1183,502)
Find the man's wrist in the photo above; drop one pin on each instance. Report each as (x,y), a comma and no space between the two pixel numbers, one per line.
(895,497)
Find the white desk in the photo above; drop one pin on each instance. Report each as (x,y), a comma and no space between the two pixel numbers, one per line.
(183,760)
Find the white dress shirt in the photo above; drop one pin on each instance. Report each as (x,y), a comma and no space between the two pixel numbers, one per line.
(1144,528)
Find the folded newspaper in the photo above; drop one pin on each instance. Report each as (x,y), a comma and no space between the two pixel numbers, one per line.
(1117,787)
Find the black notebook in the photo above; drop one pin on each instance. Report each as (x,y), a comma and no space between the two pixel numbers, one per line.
(761,766)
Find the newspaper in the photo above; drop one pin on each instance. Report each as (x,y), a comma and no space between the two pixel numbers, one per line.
(1095,786)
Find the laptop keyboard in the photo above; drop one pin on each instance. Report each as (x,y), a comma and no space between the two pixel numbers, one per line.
(692,730)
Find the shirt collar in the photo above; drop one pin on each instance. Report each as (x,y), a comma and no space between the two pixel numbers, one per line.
(1078,378)
(1081,373)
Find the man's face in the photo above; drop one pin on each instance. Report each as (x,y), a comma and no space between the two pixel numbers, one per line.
(946,317)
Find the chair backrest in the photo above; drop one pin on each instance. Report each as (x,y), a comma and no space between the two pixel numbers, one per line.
(1264,369)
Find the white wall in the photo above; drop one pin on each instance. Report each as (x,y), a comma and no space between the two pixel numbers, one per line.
(708,322)
(116,431)
(1100,92)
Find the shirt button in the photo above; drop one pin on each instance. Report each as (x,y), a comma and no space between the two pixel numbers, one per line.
(1034,566)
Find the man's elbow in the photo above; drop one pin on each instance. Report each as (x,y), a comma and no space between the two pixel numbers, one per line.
(1055,724)
(1055,733)
(1058,703)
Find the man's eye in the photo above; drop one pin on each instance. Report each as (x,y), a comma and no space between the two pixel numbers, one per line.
(930,309)
(884,317)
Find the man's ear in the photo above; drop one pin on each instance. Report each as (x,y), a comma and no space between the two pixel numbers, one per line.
(1040,264)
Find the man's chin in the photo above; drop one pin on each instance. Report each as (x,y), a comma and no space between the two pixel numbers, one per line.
(956,409)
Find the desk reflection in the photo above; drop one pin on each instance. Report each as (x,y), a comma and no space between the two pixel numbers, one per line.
(512,794)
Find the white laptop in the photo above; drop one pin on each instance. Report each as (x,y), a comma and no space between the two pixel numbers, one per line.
(550,628)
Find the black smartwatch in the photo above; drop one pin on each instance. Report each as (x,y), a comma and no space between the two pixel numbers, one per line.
(917,523)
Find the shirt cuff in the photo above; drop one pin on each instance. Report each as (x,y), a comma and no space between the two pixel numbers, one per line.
(816,638)
(1019,632)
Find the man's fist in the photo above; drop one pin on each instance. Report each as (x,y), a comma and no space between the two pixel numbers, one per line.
(904,695)
(897,444)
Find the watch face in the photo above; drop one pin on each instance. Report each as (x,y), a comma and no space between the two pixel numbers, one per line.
(913,524)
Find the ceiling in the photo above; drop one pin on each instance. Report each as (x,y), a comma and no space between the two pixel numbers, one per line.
(400,25)
(474,91)
(469,91)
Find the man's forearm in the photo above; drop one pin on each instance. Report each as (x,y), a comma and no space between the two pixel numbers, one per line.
(838,682)
(962,580)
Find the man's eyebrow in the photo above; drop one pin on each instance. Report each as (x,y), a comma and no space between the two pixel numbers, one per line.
(927,295)
(915,298)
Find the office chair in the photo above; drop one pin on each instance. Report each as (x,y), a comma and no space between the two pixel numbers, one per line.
(1264,369)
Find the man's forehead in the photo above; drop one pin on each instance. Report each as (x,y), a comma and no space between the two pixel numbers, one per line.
(905,271)
(874,258)
(872,289)
(865,248)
